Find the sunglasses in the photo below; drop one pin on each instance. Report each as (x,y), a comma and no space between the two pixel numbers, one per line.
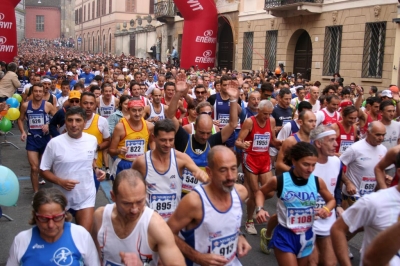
(74,101)
(45,218)
(200,92)
(206,113)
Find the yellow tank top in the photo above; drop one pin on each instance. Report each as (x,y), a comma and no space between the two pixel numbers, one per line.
(135,141)
(95,131)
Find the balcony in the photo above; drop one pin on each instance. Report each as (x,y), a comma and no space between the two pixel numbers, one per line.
(165,11)
(291,8)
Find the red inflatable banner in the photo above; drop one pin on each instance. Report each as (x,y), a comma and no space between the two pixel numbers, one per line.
(8,30)
(200,28)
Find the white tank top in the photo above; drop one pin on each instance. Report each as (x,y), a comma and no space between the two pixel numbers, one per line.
(219,231)
(329,172)
(106,110)
(137,242)
(163,189)
(153,112)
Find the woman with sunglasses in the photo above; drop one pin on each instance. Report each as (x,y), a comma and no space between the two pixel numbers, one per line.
(53,240)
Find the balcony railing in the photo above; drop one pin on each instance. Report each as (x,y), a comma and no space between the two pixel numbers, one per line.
(164,10)
(279,3)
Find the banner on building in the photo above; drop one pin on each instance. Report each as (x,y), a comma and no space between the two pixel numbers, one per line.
(199,39)
(8,30)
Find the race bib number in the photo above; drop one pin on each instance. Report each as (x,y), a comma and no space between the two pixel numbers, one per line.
(189,181)
(225,246)
(36,121)
(344,144)
(164,204)
(223,120)
(320,202)
(135,148)
(367,185)
(261,142)
(106,111)
(299,220)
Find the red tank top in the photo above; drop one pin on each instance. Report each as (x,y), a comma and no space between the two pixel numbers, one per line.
(345,139)
(369,120)
(185,121)
(260,138)
(328,120)
(178,112)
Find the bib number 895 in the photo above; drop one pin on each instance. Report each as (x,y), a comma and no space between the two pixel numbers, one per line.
(163,206)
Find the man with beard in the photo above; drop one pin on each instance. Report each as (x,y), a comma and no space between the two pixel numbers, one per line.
(205,241)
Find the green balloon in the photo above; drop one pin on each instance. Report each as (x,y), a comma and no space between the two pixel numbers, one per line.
(5,125)
(18,97)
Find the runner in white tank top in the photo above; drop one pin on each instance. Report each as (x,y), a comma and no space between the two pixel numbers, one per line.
(106,110)
(153,113)
(163,189)
(137,241)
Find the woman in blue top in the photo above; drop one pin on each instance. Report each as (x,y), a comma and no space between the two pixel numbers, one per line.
(297,191)
(53,240)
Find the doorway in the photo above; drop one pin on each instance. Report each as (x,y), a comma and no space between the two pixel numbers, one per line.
(225,48)
(303,56)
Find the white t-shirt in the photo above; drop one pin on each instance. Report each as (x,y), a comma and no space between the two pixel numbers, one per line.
(70,158)
(26,87)
(391,137)
(82,240)
(361,159)
(316,107)
(61,101)
(375,212)
(103,126)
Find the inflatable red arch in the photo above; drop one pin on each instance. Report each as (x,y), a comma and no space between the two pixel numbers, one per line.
(8,31)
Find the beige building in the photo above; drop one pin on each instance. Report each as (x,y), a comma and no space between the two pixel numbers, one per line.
(97,21)
(316,38)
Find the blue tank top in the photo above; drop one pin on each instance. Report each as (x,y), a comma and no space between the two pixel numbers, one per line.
(200,159)
(295,207)
(249,113)
(221,110)
(61,252)
(294,127)
(37,118)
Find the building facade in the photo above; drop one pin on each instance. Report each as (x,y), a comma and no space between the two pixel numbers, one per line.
(317,38)
(43,19)
(20,20)
(97,22)
(67,19)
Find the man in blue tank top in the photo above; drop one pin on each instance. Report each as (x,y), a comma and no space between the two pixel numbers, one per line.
(205,241)
(37,113)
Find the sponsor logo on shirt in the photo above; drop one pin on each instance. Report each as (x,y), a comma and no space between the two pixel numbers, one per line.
(173,176)
(302,196)
(37,246)
(151,186)
(62,257)
(365,158)
(212,235)
(172,185)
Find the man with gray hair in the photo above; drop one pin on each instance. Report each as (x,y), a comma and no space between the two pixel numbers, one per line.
(361,159)
(256,134)
(9,83)
(328,168)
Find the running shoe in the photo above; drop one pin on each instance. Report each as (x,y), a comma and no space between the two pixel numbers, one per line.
(264,243)
(240,178)
(250,229)
(42,182)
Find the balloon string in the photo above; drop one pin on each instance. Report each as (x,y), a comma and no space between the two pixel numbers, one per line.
(252,48)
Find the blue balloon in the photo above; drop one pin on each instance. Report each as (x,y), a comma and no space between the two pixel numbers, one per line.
(9,187)
(12,102)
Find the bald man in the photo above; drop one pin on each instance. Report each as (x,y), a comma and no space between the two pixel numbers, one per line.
(361,159)
(314,95)
(205,241)
(155,111)
(199,144)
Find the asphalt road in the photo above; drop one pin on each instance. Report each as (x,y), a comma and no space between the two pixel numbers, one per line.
(16,160)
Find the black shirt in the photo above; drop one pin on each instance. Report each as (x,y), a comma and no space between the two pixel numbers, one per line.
(182,139)
(213,98)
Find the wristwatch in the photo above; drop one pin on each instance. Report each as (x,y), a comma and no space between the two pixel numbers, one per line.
(259,209)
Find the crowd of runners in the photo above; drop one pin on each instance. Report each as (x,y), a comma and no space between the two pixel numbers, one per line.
(185,148)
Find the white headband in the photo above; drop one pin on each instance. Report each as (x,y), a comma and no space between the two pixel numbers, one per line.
(46,80)
(326,133)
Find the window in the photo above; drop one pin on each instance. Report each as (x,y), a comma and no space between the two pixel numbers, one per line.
(374,45)
(88,11)
(103,7)
(271,42)
(247,50)
(169,43)
(80,15)
(93,10)
(151,7)
(109,6)
(130,5)
(98,9)
(76,16)
(84,13)
(39,23)
(332,46)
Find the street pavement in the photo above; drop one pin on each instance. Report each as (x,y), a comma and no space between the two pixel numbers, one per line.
(17,161)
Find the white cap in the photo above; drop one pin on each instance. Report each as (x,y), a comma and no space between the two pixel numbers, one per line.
(69,73)
(386,93)
(125,70)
